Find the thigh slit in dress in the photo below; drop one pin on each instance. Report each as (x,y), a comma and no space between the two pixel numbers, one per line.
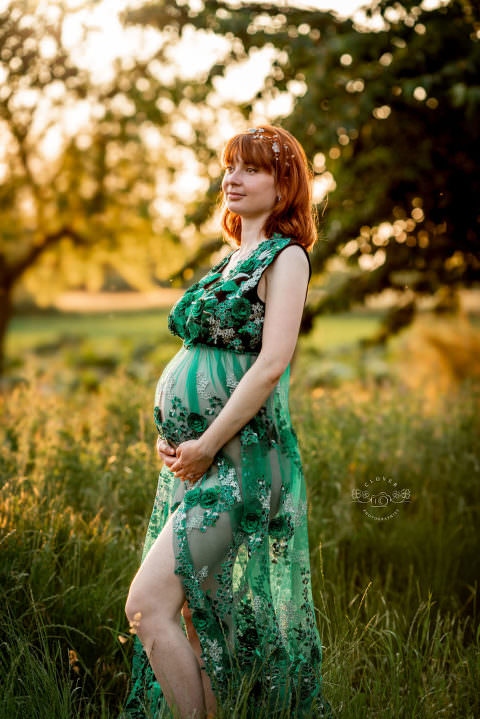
(240,536)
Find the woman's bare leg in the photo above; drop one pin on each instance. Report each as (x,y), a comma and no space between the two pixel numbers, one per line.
(210,698)
(153,606)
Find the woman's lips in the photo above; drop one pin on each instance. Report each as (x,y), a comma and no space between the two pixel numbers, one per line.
(234,195)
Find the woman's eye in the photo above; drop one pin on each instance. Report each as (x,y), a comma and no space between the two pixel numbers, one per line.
(227,169)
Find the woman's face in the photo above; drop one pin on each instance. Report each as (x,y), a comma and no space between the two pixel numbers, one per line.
(254,188)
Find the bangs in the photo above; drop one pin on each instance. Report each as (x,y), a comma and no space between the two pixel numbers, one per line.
(250,150)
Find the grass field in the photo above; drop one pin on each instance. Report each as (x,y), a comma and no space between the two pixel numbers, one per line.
(396,600)
(30,330)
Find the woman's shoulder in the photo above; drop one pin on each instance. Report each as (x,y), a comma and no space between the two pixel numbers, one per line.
(293,256)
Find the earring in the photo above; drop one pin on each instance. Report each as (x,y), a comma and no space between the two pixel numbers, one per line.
(279,197)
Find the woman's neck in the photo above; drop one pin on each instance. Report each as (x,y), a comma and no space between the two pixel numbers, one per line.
(251,234)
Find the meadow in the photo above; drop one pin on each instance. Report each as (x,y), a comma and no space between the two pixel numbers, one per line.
(396,600)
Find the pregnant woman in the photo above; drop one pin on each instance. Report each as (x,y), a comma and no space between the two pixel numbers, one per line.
(223,598)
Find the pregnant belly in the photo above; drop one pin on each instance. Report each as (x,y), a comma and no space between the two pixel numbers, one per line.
(193,388)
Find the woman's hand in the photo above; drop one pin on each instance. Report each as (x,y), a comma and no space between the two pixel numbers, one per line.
(192,460)
(190,465)
(165,451)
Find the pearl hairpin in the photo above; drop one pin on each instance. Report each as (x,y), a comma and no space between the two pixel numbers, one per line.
(258,133)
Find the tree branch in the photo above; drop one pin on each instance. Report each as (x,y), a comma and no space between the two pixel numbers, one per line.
(16,270)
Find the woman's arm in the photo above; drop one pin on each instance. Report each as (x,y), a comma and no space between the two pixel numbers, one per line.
(286,287)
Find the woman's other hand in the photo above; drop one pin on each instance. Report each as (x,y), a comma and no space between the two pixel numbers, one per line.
(165,451)
(192,460)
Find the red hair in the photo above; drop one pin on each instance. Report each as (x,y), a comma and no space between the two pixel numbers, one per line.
(294,215)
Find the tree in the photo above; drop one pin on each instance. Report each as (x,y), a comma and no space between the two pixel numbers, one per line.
(64,219)
(393,116)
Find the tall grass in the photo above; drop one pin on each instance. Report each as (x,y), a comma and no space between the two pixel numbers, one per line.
(396,600)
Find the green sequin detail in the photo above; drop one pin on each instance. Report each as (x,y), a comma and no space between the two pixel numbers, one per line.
(240,532)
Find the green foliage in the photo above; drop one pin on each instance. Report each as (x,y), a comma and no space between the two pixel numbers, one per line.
(394,113)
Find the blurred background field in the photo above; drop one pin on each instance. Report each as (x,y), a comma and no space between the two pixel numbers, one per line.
(113,114)
(434,353)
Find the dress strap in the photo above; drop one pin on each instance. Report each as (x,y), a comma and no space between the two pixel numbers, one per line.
(266,257)
(278,247)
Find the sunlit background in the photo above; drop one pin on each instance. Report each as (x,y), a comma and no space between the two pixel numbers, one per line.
(113,131)
(98,42)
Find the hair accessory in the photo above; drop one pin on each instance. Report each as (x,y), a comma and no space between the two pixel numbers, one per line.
(257,134)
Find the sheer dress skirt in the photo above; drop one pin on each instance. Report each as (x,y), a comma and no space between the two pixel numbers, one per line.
(240,544)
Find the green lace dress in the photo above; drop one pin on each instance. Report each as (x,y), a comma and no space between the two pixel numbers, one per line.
(240,532)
